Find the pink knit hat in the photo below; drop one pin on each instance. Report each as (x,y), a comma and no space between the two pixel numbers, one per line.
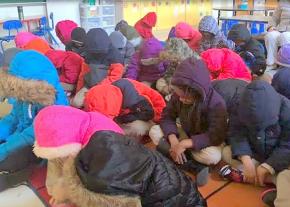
(61,131)
(22,38)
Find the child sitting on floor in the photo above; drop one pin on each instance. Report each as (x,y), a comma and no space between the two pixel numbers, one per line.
(212,36)
(281,80)
(202,114)
(131,104)
(250,49)
(145,65)
(259,137)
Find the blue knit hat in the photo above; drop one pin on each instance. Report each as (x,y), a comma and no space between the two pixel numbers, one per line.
(208,24)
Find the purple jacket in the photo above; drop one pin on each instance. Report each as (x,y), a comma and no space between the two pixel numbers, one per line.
(213,119)
(150,48)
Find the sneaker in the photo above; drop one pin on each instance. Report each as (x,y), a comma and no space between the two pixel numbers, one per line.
(232,174)
(269,196)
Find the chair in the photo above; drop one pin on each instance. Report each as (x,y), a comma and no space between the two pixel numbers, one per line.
(10,25)
(44,30)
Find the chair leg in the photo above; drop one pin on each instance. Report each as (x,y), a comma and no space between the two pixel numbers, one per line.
(53,39)
(2,47)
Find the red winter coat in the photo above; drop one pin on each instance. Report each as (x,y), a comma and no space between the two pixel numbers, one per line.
(144,26)
(225,63)
(186,32)
(67,63)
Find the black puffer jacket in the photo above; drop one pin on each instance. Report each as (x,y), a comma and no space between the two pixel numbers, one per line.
(241,32)
(114,164)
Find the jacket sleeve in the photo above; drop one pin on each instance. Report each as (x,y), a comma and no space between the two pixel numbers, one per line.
(17,141)
(216,133)
(260,62)
(133,67)
(71,69)
(8,124)
(130,50)
(274,22)
(115,73)
(238,138)
(280,157)
(168,117)
(54,172)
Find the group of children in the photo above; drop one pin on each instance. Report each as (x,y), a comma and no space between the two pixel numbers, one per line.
(204,100)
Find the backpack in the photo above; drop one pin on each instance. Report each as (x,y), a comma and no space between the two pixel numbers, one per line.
(63,30)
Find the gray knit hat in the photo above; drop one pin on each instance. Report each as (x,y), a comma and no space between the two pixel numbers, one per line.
(208,24)
(9,54)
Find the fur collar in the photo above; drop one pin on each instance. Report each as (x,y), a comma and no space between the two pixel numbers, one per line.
(26,90)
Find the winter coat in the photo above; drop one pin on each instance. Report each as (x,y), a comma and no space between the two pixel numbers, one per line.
(22,38)
(261,129)
(231,90)
(186,32)
(194,74)
(224,63)
(125,48)
(281,16)
(32,84)
(77,43)
(38,45)
(67,63)
(147,174)
(281,81)
(241,32)
(209,24)
(145,24)
(137,71)
(53,140)
(125,100)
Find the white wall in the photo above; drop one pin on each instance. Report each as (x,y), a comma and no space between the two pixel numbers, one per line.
(222,3)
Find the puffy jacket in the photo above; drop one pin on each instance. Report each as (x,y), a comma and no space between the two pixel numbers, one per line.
(281,82)
(211,131)
(281,16)
(210,25)
(33,84)
(147,174)
(224,63)
(53,140)
(261,129)
(145,24)
(137,71)
(126,100)
(241,32)
(67,63)
(186,32)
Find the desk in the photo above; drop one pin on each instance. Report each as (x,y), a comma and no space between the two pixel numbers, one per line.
(26,20)
(249,18)
(249,9)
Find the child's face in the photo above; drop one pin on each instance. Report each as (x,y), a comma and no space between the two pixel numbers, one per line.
(184,97)
(207,35)
(239,42)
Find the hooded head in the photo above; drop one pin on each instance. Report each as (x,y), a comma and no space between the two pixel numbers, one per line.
(33,81)
(129,32)
(22,38)
(63,30)
(194,74)
(121,24)
(176,50)
(97,41)
(239,33)
(144,26)
(52,140)
(106,99)
(118,40)
(38,44)
(188,33)
(9,54)
(208,24)
(281,82)
(259,105)
(78,36)
(283,57)
(150,48)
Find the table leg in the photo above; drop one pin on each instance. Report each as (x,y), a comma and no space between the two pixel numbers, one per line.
(219,14)
(234,13)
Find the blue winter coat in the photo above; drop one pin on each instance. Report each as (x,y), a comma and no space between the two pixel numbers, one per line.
(32,81)
(262,127)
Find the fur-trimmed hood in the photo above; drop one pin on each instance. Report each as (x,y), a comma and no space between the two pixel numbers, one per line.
(82,197)
(32,78)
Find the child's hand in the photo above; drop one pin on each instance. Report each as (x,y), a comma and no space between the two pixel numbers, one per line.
(262,173)
(249,170)
(177,154)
